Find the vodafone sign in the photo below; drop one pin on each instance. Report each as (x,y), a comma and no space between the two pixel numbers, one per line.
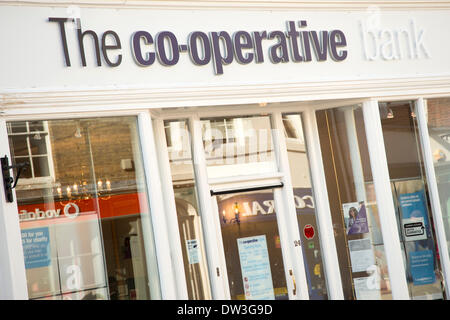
(70,210)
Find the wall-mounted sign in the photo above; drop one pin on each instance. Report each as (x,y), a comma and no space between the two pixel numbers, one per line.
(217,47)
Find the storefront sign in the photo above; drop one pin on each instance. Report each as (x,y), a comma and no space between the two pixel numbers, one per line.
(102,207)
(70,210)
(127,47)
(405,42)
(218,47)
(36,247)
(255,268)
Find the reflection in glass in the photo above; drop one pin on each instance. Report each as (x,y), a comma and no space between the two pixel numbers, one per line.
(438,118)
(29,140)
(252,246)
(403,152)
(82,230)
(238,146)
(353,204)
(189,220)
(304,203)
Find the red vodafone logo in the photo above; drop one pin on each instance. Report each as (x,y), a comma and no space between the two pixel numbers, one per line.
(308,231)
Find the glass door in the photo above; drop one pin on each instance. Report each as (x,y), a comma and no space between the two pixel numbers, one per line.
(252,246)
(411,198)
(228,176)
(239,154)
(353,204)
(266,228)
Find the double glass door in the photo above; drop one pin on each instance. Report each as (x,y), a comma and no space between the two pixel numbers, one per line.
(252,246)
(255,244)
(248,244)
(245,206)
(354,205)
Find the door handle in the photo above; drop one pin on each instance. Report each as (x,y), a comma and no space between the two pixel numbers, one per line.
(294,291)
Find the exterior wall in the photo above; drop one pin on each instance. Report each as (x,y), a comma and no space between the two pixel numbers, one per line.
(438,114)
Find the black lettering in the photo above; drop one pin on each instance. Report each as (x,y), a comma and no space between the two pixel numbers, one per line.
(293,35)
(279,51)
(106,47)
(239,45)
(320,45)
(81,36)
(257,39)
(219,59)
(136,48)
(337,39)
(62,31)
(193,38)
(162,54)
(305,42)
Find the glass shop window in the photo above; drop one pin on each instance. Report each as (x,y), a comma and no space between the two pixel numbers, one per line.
(353,204)
(188,214)
(30,142)
(236,146)
(411,198)
(305,205)
(86,230)
(438,119)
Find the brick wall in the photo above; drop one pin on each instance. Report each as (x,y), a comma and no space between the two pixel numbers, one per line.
(110,142)
(439,112)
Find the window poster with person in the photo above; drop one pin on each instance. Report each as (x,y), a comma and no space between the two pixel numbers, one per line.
(355,217)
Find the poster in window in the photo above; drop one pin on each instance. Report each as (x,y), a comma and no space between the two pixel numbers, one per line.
(355,217)
(367,288)
(36,247)
(421,264)
(255,268)
(361,254)
(414,216)
(193,251)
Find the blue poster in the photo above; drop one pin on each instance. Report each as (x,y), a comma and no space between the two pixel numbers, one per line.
(414,216)
(413,206)
(255,267)
(421,264)
(36,247)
